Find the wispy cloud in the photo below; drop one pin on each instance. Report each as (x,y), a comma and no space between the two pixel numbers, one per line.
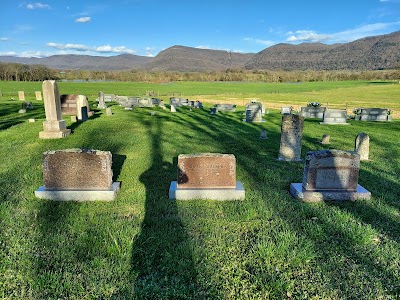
(311,36)
(261,42)
(96,49)
(10,53)
(83,20)
(37,5)
(202,47)
(306,36)
(19,28)
(4,39)
(149,52)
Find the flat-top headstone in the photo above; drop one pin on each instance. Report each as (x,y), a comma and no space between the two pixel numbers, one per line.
(331,170)
(108,111)
(173,108)
(362,145)
(226,107)
(330,175)
(286,110)
(335,117)
(77,169)
(21,95)
(291,136)
(38,95)
(206,170)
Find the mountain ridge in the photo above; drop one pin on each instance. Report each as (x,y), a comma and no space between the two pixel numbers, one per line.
(369,53)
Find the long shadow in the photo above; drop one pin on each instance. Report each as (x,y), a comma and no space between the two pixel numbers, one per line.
(162,261)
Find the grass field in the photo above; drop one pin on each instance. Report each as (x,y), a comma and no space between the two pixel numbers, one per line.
(144,246)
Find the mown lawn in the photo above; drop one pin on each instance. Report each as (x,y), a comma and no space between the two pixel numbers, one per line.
(144,246)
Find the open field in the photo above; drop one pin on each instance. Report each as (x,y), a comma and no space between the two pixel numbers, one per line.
(273,95)
(144,246)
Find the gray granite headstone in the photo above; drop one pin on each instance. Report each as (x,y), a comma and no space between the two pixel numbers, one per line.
(286,110)
(362,145)
(254,112)
(263,135)
(312,112)
(374,114)
(291,136)
(330,175)
(102,104)
(335,117)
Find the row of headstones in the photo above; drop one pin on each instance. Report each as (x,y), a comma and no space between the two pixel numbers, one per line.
(339,116)
(21,95)
(85,175)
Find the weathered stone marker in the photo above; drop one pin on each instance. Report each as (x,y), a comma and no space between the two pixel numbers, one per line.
(225,107)
(77,174)
(335,117)
(102,103)
(173,108)
(108,111)
(263,135)
(254,112)
(82,108)
(54,127)
(325,139)
(286,110)
(21,95)
(38,95)
(70,102)
(291,136)
(361,146)
(206,176)
(330,175)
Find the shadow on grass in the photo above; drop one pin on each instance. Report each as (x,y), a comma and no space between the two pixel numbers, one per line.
(9,115)
(161,257)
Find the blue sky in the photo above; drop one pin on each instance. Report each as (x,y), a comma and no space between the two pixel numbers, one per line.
(145,27)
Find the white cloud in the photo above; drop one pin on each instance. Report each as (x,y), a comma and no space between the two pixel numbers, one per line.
(307,36)
(83,20)
(37,54)
(262,42)
(203,47)
(110,49)
(85,48)
(149,52)
(77,47)
(3,39)
(10,53)
(37,5)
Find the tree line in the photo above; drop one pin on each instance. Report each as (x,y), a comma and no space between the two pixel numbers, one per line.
(21,72)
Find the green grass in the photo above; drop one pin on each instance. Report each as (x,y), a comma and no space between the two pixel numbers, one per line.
(144,246)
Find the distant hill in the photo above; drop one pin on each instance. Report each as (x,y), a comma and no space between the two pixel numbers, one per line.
(84,62)
(181,58)
(370,53)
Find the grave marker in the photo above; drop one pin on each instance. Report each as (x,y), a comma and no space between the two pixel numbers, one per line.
(325,139)
(38,95)
(361,146)
(330,175)
(77,174)
(335,117)
(102,103)
(54,127)
(291,136)
(21,95)
(206,176)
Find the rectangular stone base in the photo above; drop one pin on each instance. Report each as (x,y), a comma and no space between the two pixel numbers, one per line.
(74,195)
(237,193)
(54,134)
(298,192)
(327,123)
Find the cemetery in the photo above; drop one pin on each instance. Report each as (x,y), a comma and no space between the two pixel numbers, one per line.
(167,201)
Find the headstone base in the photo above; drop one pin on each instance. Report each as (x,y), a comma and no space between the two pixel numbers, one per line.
(297,191)
(77,195)
(237,193)
(327,123)
(54,134)
(254,121)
